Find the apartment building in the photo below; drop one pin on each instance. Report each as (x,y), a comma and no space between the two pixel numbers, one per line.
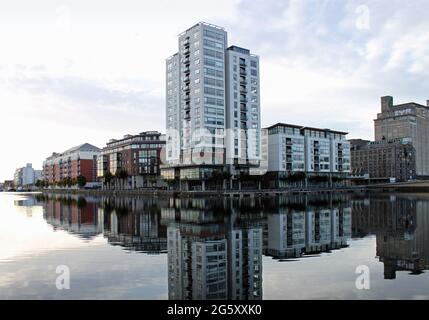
(72,163)
(135,159)
(212,108)
(26,176)
(383,160)
(406,121)
(295,150)
(243,122)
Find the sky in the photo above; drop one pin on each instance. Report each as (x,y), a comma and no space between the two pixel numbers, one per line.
(87,71)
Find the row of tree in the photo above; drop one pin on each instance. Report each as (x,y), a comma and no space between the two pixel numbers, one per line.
(68,182)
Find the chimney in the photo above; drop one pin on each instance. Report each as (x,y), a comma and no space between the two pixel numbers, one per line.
(386,103)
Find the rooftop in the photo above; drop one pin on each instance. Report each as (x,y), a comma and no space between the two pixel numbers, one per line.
(305,128)
(205,24)
(86,147)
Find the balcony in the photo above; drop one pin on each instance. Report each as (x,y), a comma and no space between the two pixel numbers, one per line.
(186,88)
(243,80)
(243,63)
(243,89)
(187,79)
(187,97)
(187,51)
(243,72)
(187,61)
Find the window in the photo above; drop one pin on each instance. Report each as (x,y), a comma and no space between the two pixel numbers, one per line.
(253,64)
(210,72)
(210,91)
(213,44)
(213,63)
(254,72)
(213,35)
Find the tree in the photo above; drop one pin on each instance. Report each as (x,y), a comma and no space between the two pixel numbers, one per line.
(81,181)
(121,174)
(107,177)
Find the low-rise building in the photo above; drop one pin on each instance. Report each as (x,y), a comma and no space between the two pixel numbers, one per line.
(298,154)
(383,160)
(8,184)
(75,162)
(131,162)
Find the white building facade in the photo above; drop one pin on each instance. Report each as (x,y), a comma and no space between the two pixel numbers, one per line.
(212,105)
(308,152)
(26,176)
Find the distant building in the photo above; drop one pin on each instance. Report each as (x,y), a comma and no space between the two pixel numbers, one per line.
(307,151)
(77,161)
(8,184)
(406,121)
(26,176)
(383,160)
(137,156)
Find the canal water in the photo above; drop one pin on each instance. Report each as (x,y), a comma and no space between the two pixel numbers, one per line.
(286,247)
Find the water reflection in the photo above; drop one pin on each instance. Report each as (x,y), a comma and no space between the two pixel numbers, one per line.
(215,247)
(401,226)
(78,216)
(135,224)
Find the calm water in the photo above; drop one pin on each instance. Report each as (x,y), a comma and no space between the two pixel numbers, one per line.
(296,247)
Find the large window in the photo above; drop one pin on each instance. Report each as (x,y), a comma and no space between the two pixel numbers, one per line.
(214,35)
(213,44)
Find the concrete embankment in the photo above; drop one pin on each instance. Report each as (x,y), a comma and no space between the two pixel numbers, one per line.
(189,194)
(403,187)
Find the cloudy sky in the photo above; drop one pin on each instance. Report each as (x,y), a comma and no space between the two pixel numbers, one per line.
(87,71)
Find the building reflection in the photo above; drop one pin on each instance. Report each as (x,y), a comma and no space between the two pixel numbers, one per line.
(135,224)
(76,215)
(307,225)
(214,250)
(401,226)
(215,246)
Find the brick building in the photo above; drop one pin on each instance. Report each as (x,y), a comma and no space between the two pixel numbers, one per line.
(77,161)
(138,157)
(406,121)
(383,159)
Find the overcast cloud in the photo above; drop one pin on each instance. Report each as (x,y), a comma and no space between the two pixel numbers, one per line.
(87,71)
